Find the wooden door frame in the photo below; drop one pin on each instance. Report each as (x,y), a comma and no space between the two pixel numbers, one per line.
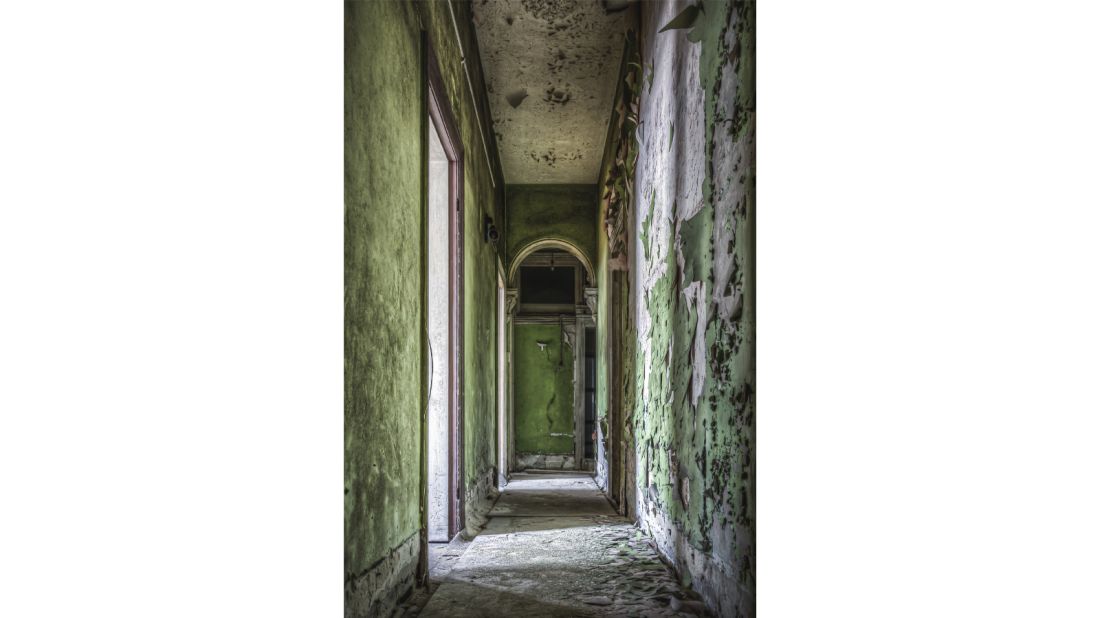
(616,467)
(440,114)
(502,382)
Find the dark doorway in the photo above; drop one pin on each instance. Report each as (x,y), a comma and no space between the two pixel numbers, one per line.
(589,393)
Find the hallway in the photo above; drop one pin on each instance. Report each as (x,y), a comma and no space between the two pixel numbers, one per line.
(553,546)
(549,305)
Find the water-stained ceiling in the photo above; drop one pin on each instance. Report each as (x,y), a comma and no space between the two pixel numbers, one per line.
(550,67)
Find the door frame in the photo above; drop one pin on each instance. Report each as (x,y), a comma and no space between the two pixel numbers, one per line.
(502,382)
(440,114)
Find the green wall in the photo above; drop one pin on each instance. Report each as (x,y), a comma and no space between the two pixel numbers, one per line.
(689,388)
(568,212)
(384,114)
(543,390)
(382,281)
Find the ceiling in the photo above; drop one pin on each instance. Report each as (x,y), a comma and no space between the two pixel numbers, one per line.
(550,68)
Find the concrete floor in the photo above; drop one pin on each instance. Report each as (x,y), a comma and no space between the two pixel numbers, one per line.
(553,546)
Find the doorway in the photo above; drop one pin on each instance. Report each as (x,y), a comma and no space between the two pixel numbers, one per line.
(552,286)
(444,474)
(501,380)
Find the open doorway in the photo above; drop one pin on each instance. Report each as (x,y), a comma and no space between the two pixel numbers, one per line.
(443,508)
(548,390)
(501,380)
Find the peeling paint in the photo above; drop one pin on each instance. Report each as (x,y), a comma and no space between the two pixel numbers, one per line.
(689,385)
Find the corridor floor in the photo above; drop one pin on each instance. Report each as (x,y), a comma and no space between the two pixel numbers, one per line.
(553,546)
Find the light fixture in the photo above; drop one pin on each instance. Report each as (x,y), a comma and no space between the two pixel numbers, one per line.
(491,235)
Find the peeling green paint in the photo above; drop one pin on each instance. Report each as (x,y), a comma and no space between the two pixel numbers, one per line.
(543,390)
(690,393)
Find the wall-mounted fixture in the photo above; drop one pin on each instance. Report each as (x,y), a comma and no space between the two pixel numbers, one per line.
(491,235)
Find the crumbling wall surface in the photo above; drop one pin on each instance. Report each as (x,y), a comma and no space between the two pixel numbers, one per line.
(379,590)
(566,212)
(543,391)
(483,494)
(693,295)
(382,317)
(384,353)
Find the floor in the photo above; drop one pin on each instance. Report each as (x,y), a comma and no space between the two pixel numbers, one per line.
(553,546)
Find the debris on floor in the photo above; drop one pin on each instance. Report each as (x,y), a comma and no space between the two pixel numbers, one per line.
(552,547)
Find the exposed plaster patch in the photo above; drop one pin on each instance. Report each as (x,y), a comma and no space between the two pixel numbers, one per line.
(697,299)
(691,393)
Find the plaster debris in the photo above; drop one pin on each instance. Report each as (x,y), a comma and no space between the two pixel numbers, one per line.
(554,547)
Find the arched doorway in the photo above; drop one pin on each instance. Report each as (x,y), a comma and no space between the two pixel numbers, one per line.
(551,302)
(550,243)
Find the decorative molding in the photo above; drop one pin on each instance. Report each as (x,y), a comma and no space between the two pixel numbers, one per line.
(556,259)
(544,319)
(512,299)
(618,180)
(591,297)
(569,332)
(549,243)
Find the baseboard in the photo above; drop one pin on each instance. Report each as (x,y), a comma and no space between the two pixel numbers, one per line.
(544,462)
